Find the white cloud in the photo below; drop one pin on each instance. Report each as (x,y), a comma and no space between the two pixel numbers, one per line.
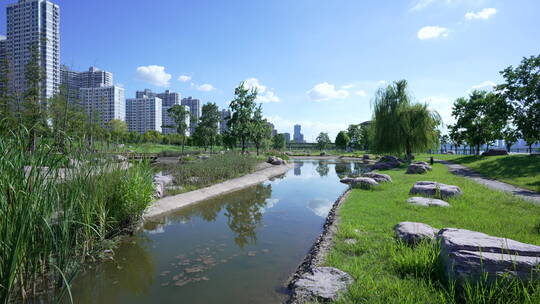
(263,94)
(205,87)
(481,15)
(184,78)
(2,37)
(431,32)
(361,93)
(420,4)
(348,86)
(484,85)
(325,91)
(154,74)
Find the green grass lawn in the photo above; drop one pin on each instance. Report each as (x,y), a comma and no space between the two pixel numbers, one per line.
(156,148)
(519,170)
(387,271)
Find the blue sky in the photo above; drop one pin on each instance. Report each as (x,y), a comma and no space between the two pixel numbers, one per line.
(317,63)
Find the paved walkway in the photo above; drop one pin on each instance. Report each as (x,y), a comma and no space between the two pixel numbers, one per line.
(491,183)
(170,204)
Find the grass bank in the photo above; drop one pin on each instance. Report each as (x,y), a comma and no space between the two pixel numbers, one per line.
(518,170)
(49,226)
(386,271)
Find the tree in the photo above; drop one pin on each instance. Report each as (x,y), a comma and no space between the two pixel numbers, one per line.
(118,129)
(152,136)
(67,119)
(510,137)
(242,110)
(342,140)
(480,118)
(206,132)
(261,132)
(229,141)
(455,137)
(323,140)
(401,126)
(34,117)
(355,135)
(278,142)
(180,115)
(522,89)
(445,139)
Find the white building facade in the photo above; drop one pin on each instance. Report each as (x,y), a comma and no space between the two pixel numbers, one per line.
(104,104)
(144,114)
(33,23)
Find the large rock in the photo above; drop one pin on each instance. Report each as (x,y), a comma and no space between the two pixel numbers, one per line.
(387,162)
(418,168)
(159,190)
(431,188)
(324,284)
(380,178)
(366,156)
(469,255)
(276,161)
(119,158)
(166,180)
(495,152)
(427,202)
(412,233)
(347,180)
(360,182)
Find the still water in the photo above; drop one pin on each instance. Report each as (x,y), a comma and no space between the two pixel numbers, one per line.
(238,248)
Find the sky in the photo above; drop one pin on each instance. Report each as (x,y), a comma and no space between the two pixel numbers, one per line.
(315,63)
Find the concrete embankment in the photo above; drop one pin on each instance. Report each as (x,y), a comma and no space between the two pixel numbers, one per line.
(170,204)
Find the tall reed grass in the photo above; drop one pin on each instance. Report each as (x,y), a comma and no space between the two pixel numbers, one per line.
(55,217)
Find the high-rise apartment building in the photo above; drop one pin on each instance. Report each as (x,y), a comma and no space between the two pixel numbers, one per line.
(287,137)
(33,25)
(73,81)
(195,109)
(68,80)
(3,45)
(168,100)
(225,116)
(298,136)
(104,104)
(144,114)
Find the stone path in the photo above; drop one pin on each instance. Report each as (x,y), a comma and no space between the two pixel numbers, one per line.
(170,204)
(491,183)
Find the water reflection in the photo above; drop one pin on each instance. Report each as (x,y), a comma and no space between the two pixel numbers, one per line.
(322,168)
(298,168)
(320,207)
(343,169)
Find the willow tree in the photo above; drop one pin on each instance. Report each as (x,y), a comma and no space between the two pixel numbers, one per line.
(400,125)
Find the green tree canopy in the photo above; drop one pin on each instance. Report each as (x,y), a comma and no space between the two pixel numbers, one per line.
(242,109)
(323,140)
(261,132)
(355,135)
(401,126)
(181,116)
(342,140)
(278,142)
(206,132)
(522,89)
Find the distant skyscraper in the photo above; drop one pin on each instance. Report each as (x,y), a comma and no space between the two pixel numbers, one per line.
(104,104)
(195,109)
(298,136)
(34,23)
(272,127)
(287,137)
(225,116)
(144,114)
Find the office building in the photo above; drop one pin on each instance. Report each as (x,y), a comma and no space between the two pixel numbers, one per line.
(225,116)
(298,136)
(104,104)
(144,114)
(33,25)
(195,109)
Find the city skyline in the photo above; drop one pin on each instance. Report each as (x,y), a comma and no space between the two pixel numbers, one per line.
(323,66)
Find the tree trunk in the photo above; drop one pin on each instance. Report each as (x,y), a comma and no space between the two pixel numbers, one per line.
(530,149)
(257,146)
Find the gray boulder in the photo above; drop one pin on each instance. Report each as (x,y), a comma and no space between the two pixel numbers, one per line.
(159,190)
(166,180)
(366,156)
(276,161)
(380,178)
(203,157)
(324,284)
(119,158)
(423,163)
(347,180)
(429,188)
(427,202)
(412,233)
(469,256)
(364,183)
(386,162)
(418,168)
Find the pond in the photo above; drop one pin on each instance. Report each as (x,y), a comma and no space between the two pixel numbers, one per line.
(238,248)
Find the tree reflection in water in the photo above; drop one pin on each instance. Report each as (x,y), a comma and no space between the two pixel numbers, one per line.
(343,169)
(322,168)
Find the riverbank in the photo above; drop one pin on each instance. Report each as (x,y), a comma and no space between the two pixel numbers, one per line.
(170,204)
(386,271)
(328,157)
